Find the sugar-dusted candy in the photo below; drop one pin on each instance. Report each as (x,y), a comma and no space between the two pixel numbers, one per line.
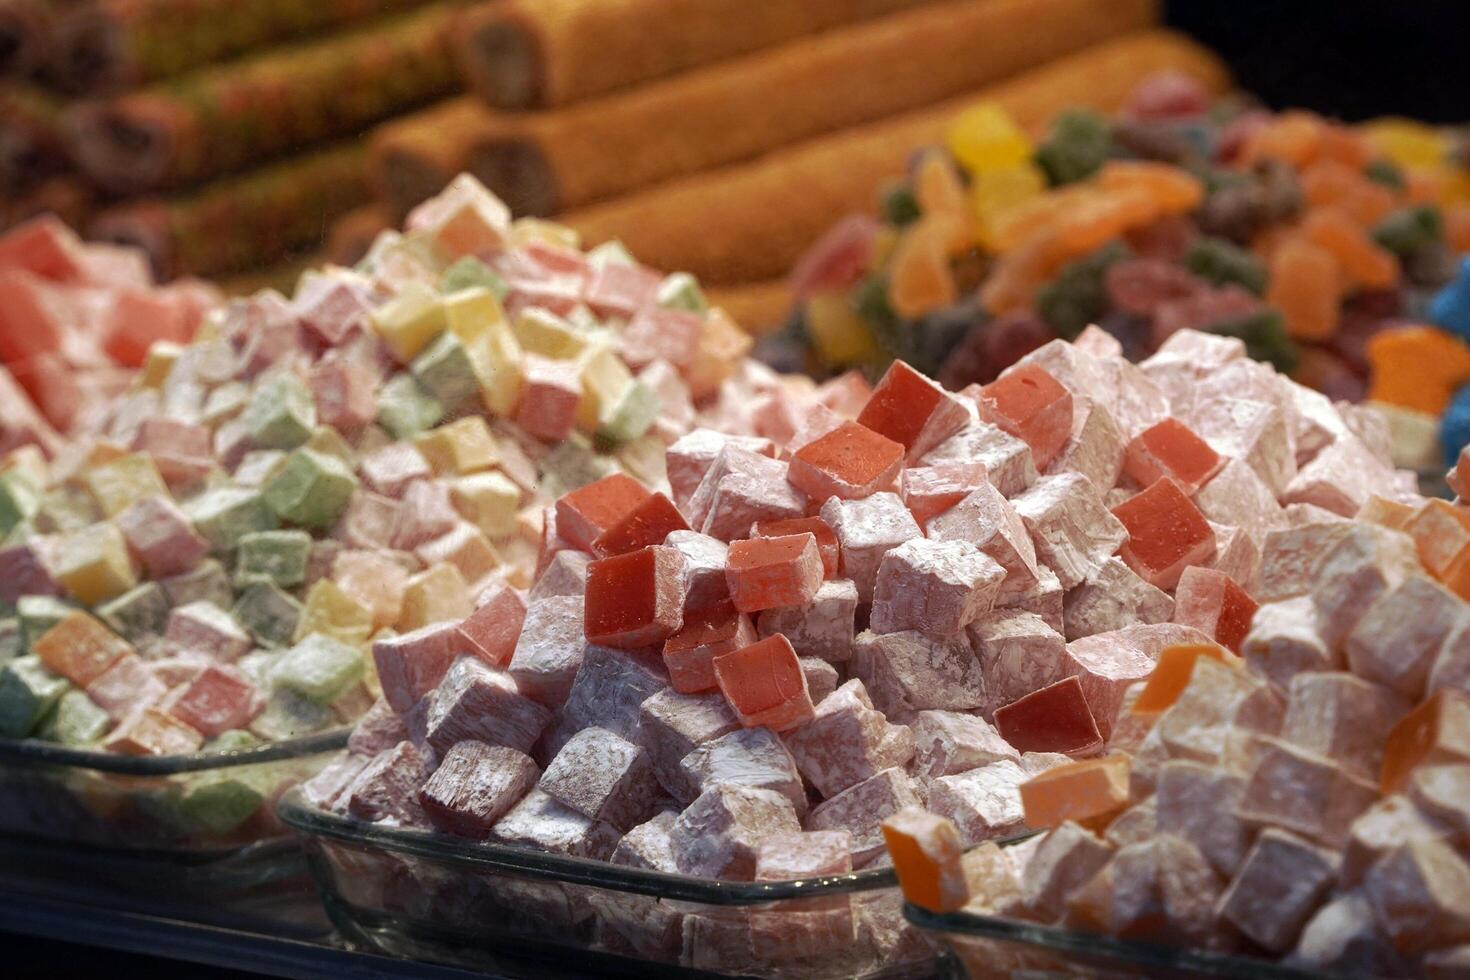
(1064,861)
(1166,533)
(1279,884)
(610,688)
(1398,638)
(909,409)
(1018,652)
(753,757)
(386,789)
(412,664)
(477,702)
(949,742)
(76,720)
(207,628)
(602,776)
(460,447)
(1284,641)
(93,564)
(23,572)
(719,834)
(319,668)
(1343,717)
(765,685)
(491,631)
(934,587)
(474,786)
(1112,595)
(691,456)
(1055,718)
(824,628)
(827,544)
(79,648)
(330,610)
(689,654)
(1030,404)
(1070,527)
(138,614)
(851,461)
(1107,663)
(225,515)
(130,682)
(311,489)
(123,481)
(1088,791)
(550,648)
(585,514)
(847,741)
(275,556)
(391,469)
(648,523)
(1436,732)
(704,568)
(1198,803)
(1353,573)
(910,671)
(635,599)
(990,522)
(1417,893)
(27,692)
(1303,792)
(1007,460)
(153,732)
(929,491)
(538,821)
(861,809)
(770,573)
(984,803)
(218,700)
(741,489)
(1214,604)
(672,724)
(926,855)
(280,413)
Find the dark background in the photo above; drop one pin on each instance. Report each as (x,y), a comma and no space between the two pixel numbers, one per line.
(1353,59)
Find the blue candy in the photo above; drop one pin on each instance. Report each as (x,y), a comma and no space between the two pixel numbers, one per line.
(1454,426)
(1450,307)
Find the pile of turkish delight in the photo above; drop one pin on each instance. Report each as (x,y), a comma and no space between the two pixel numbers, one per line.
(1307,800)
(208,568)
(840,604)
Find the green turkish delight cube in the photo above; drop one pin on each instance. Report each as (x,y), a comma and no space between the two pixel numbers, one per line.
(311,490)
(273,556)
(319,668)
(27,692)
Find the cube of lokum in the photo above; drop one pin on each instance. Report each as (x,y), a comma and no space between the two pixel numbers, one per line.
(909,671)
(649,523)
(1436,732)
(770,573)
(867,530)
(162,538)
(150,731)
(1095,449)
(1278,887)
(28,691)
(1055,718)
(634,600)
(926,852)
(1197,802)
(479,703)
(124,481)
(947,743)
(1070,527)
(704,568)
(138,614)
(1349,577)
(1064,861)
(1253,431)
(464,547)
(847,742)
(1092,790)
(460,447)
(740,490)
(1237,496)
(564,575)
(1107,663)
(1018,653)
(610,688)
(929,491)
(1214,604)
(765,685)
(935,587)
(1031,405)
(912,410)
(540,822)
(207,628)
(689,654)
(386,790)
(319,668)
(275,556)
(1303,792)
(1170,448)
(851,461)
(79,648)
(861,809)
(602,776)
(585,514)
(1007,460)
(550,648)
(280,414)
(128,683)
(474,786)
(1343,717)
(1399,637)
(984,803)
(1112,596)
(827,544)
(719,834)
(1340,478)
(312,489)
(220,699)
(691,457)
(492,630)
(23,572)
(93,564)
(671,725)
(411,665)
(331,611)
(753,757)
(824,628)
(76,720)
(1166,533)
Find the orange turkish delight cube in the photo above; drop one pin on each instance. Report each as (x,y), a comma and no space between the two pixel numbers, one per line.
(690,653)
(827,544)
(927,855)
(1033,406)
(634,600)
(1171,675)
(772,573)
(80,648)
(1166,533)
(852,461)
(648,523)
(912,410)
(1435,733)
(1090,792)
(1170,448)
(583,515)
(765,685)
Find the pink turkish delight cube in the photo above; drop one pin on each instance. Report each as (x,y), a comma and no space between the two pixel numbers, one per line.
(866,531)
(492,630)
(720,833)
(847,741)
(219,699)
(935,587)
(411,665)
(162,537)
(478,703)
(603,777)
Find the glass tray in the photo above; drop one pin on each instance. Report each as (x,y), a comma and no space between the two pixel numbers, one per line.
(1007,949)
(138,825)
(469,904)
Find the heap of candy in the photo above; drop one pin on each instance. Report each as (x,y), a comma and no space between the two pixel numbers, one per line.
(211,568)
(1307,799)
(75,320)
(1303,237)
(906,597)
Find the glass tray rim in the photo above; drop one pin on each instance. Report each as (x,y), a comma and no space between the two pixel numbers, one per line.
(301,816)
(1120,951)
(34,752)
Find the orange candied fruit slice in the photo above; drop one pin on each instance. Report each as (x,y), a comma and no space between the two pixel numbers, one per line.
(1365,261)
(1305,286)
(1172,190)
